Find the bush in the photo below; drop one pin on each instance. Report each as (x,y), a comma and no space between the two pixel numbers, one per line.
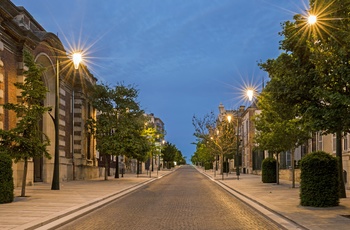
(269,170)
(208,165)
(6,179)
(319,181)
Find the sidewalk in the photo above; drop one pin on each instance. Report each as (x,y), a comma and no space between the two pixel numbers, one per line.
(284,200)
(43,206)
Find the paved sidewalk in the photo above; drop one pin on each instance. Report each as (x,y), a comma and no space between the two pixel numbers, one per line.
(284,200)
(43,206)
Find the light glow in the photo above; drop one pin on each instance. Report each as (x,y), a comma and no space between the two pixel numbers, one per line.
(77,58)
(250,94)
(229,118)
(312,19)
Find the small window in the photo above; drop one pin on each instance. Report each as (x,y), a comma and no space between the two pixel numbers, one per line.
(345,142)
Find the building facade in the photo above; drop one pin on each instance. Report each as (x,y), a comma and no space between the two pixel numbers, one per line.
(19,31)
(251,158)
(156,162)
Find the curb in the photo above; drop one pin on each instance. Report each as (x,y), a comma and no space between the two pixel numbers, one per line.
(61,218)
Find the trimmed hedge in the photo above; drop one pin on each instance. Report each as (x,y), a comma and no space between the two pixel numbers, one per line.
(208,165)
(269,170)
(319,181)
(6,179)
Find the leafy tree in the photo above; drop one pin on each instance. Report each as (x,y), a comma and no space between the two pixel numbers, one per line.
(129,120)
(170,153)
(202,154)
(179,158)
(153,137)
(100,127)
(118,127)
(316,71)
(279,128)
(26,140)
(220,137)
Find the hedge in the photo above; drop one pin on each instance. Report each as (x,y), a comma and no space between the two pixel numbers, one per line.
(6,179)
(319,180)
(269,170)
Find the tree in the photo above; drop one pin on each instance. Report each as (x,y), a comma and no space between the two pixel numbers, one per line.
(278,127)
(26,140)
(170,153)
(202,154)
(118,127)
(219,136)
(100,127)
(315,60)
(129,119)
(153,137)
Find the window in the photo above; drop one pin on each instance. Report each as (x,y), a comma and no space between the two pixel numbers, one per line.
(319,141)
(334,142)
(345,144)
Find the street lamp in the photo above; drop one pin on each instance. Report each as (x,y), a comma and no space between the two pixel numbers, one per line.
(56,170)
(215,168)
(250,94)
(312,19)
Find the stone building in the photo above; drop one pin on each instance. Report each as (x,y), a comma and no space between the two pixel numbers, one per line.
(251,158)
(19,31)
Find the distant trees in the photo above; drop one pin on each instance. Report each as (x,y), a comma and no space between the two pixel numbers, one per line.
(214,138)
(171,154)
(26,140)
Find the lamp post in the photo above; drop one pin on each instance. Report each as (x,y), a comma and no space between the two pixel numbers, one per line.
(56,170)
(229,118)
(212,139)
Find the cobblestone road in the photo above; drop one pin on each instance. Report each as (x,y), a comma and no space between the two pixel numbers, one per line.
(183,200)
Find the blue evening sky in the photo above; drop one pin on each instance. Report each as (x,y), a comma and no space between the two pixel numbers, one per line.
(185,56)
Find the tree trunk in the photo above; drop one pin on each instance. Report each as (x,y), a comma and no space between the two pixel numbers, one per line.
(277,170)
(24,179)
(339,154)
(106,167)
(137,168)
(109,165)
(293,168)
(116,175)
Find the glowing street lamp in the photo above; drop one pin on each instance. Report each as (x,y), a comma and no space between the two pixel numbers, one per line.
(250,94)
(312,19)
(56,170)
(77,58)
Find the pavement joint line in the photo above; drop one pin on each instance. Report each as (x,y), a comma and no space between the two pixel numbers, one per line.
(274,216)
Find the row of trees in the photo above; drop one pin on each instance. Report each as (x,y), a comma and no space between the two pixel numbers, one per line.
(309,88)
(120,127)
